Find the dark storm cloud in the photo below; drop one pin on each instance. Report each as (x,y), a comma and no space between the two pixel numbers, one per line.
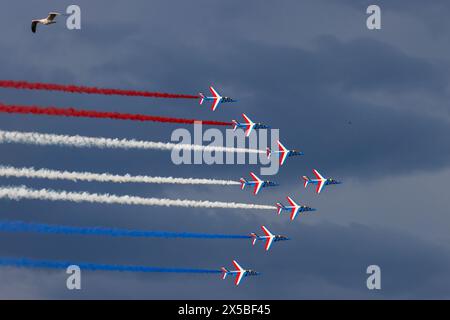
(316,89)
(410,268)
(308,85)
(432,15)
(310,88)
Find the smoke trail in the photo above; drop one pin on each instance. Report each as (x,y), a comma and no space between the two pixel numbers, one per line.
(44,139)
(71,112)
(89,90)
(19,226)
(48,264)
(7,171)
(22,192)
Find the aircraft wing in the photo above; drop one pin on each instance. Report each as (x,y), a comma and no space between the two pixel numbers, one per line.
(248,130)
(318,175)
(321,180)
(258,186)
(239,277)
(289,199)
(295,208)
(240,272)
(215,104)
(320,185)
(269,237)
(214,93)
(217,98)
(249,124)
(247,119)
(258,183)
(283,157)
(283,153)
(266,231)
(255,177)
(268,243)
(237,266)
(294,212)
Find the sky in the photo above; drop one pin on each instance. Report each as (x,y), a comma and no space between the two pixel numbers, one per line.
(368,107)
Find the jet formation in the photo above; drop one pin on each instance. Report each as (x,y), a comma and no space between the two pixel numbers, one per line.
(293,209)
(283,153)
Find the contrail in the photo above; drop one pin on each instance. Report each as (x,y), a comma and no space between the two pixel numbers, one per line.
(23,192)
(7,171)
(89,90)
(45,139)
(20,226)
(71,112)
(49,264)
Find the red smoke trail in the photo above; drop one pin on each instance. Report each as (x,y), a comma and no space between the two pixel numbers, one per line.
(89,90)
(71,112)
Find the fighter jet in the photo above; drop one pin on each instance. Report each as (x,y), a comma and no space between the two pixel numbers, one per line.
(268,237)
(239,273)
(283,153)
(216,98)
(248,125)
(320,181)
(294,208)
(49,20)
(257,183)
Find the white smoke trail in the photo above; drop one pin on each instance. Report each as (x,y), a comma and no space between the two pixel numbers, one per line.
(7,171)
(23,192)
(44,139)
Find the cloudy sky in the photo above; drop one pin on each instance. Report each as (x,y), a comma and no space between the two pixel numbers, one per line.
(307,67)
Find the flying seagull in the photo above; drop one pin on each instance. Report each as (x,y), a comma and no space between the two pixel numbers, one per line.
(49,20)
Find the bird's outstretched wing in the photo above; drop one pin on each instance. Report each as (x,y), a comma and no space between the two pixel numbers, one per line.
(34,25)
(52,16)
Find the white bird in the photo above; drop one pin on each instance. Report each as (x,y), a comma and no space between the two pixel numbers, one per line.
(49,20)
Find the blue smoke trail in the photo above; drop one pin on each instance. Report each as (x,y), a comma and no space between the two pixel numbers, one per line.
(19,226)
(48,264)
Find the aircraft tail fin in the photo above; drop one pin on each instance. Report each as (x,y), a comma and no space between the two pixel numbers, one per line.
(243,183)
(224,272)
(280,207)
(254,238)
(306,181)
(202,97)
(235,124)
